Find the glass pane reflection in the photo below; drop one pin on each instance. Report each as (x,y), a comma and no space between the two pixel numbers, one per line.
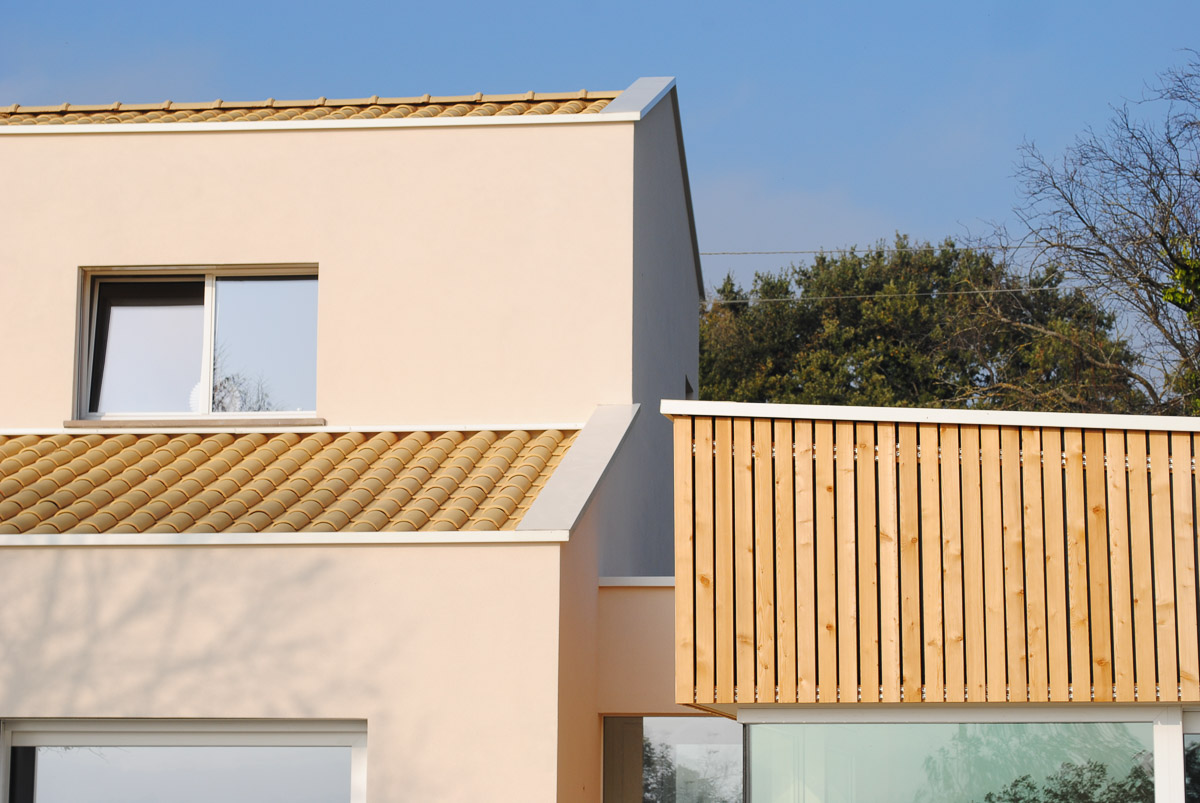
(1191,766)
(192,774)
(1094,762)
(264,357)
(149,347)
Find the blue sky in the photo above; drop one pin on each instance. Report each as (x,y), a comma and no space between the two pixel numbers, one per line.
(808,124)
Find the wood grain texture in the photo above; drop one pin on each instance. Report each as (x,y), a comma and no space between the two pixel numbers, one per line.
(764,562)
(931,565)
(806,583)
(1077,573)
(785,563)
(1014,563)
(993,564)
(1054,522)
(743,558)
(1035,564)
(1117,478)
(702,432)
(847,564)
(685,653)
(974,626)
(1141,566)
(868,591)
(826,563)
(889,565)
(726,645)
(1163,562)
(1097,547)
(911,642)
(1185,565)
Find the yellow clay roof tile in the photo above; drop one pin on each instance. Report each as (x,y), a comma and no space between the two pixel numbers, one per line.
(126,483)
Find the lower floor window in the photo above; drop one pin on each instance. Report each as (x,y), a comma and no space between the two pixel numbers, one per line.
(1081,762)
(672,760)
(185,762)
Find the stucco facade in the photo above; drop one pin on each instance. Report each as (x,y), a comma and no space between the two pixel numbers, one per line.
(472,275)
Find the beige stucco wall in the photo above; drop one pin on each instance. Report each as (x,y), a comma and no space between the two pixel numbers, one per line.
(462,270)
(636,648)
(449,653)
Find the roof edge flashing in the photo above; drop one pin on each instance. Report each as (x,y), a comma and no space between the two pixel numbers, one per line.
(641,96)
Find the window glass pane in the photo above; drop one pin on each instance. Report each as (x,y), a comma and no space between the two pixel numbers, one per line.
(1191,765)
(192,774)
(672,760)
(1092,762)
(265,355)
(148,353)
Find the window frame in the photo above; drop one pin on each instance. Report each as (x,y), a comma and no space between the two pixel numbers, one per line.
(349,733)
(90,280)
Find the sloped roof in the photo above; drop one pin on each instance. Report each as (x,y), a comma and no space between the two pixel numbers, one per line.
(273,482)
(271,110)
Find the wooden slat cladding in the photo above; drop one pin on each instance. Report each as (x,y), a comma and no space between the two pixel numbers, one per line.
(875,561)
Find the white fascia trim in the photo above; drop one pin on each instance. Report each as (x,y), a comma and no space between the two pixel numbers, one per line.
(245,429)
(333,539)
(323,125)
(562,500)
(902,713)
(641,96)
(637,582)
(928,415)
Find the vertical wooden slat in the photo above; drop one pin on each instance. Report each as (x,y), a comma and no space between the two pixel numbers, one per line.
(1185,559)
(993,563)
(847,565)
(685,686)
(1118,564)
(743,558)
(1058,613)
(1077,575)
(889,567)
(705,603)
(785,563)
(1141,564)
(951,503)
(1164,567)
(826,564)
(1097,546)
(764,561)
(1014,563)
(726,646)
(868,597)
(1194,634)
(910,565)
(806,607)
(974,627)
(931,560)
(1035,564)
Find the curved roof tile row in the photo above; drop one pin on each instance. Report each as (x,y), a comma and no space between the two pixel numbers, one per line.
(286,482)
(478,105)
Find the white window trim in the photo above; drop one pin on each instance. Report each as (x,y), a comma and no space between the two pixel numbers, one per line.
(1170,722)
(167,273)
(190,733)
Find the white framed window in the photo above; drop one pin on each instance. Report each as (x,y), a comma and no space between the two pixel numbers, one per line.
(186,761)
(194,342)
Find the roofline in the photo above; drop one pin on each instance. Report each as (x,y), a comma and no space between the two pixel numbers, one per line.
(928,415)
(342,538)
(192,426)
(596,118)
(630,106)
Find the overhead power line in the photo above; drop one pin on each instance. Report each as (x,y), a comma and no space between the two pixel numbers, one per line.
(864,251)
(806,299)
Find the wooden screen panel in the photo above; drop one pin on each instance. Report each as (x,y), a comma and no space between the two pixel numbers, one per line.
(702,431)
(726,645)
(685,679)
(806,605)
(812,565)
(825,587)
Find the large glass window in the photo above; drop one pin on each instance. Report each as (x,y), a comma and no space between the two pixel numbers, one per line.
(97,761)
(1083,762)
(203,344)
(672,760)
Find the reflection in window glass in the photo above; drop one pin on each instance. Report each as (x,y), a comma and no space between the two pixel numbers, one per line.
(191,774)
(264,357)
(148,348)
(1191,765)
(1092,762)
(672,760)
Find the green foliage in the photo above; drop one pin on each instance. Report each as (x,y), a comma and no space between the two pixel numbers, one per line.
(913,326)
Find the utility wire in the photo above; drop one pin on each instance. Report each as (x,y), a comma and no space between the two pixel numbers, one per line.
(867,251)
(816,299)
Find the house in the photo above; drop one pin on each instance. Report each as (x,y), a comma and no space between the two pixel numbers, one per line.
(941,605)
(329,461)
